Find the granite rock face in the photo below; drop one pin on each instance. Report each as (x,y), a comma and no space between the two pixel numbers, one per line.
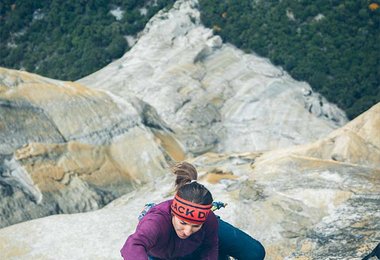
(61,139)
(300,205)
(294,174)
(314,201)
(211,94)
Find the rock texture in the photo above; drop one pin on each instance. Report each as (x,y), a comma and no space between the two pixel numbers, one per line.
(323,197)
(61,139)
(300,205)
(214,96)
(179,93)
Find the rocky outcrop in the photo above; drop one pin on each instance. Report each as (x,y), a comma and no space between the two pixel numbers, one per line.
(60,139)
(356,143)
(213,95)
(315,201)
(300,205)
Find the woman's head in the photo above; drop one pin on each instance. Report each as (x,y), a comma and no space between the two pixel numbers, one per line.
(192,202)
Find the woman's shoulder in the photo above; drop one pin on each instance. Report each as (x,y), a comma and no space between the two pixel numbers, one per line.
(165,205)
(211,221)
(156,221)
(159,212)
(162,208)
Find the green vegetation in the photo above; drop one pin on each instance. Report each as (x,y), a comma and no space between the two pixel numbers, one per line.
(333,45)
(69,39)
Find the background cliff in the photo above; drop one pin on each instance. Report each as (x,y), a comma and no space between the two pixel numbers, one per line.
(332,45)
(211,94)
(66,148)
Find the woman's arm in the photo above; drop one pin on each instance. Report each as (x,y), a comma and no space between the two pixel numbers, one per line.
(139,243)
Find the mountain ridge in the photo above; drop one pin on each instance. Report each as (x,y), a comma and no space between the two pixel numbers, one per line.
(203,88)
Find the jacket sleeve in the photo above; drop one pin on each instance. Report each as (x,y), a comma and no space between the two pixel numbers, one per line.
(139,243)
(210,244)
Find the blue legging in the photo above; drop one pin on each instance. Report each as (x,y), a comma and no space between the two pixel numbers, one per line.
(238,244)
(233,242)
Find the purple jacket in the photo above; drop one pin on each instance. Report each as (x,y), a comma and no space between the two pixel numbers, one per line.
(155,236)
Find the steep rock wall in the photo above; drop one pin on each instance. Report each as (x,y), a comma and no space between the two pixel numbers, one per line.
(65,148)
(214,96)
(299,205)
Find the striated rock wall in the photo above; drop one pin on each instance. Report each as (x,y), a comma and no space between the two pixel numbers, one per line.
(315,201)
(213,95)
(299,205)
(356,143)
(65,148)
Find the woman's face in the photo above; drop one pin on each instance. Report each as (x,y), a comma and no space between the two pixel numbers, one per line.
(183,228)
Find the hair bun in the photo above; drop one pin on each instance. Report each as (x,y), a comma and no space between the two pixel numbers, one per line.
(186,173)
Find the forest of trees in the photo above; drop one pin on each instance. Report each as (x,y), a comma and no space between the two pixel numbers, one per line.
(69,39)
(331,44)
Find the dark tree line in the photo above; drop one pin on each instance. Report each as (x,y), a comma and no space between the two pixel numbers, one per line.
(69,39)
(334,45)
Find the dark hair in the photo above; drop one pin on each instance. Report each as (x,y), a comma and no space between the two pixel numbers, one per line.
(191,191)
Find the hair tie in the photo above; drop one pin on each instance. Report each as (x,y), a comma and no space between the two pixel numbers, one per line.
(193,181)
